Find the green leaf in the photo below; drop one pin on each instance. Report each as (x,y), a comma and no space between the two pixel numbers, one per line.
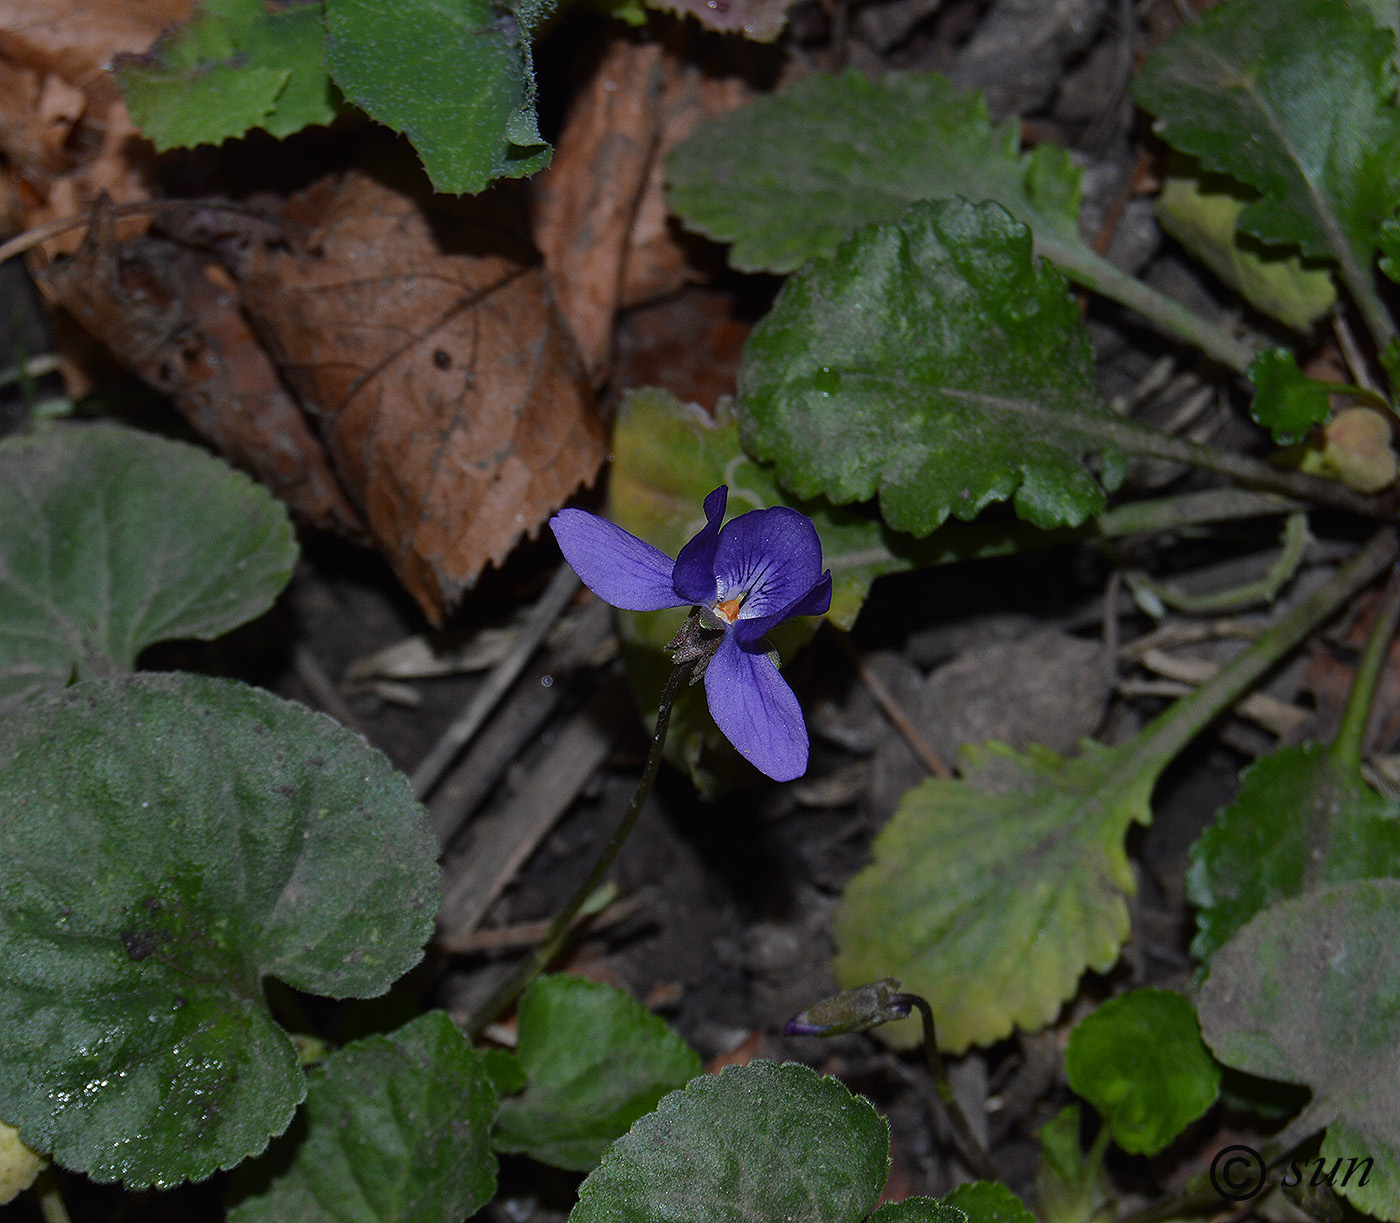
(1071,1185)
(1337,828)
(1287,402)
(1307,993)
(233,66)
(395,1129)
(595,1060)
(1295,101)
(1202,212)
(455,76)
(984,1202)
(990,896)
(918,1210)
(112,540)
(762,1141)
(169,841)
(504,1070)
(934,363)
(792,175)
(1139,1060)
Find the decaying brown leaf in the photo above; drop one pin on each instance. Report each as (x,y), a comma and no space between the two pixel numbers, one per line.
(172,315)
(452,399)
(600,214)
(64,130)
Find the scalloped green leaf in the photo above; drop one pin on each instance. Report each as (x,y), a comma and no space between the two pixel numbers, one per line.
(1309,992)
(1338,828)
(918,1210)
(456,78)
(762,1141)
(232,67)
(1140,1061)
(1295,101)
(985,1202)
(112,540)
(595,1060)
(395,1129)
(169,841)
(991,897)
(794,174)
(932,362)
(1286,401)
(1202,212)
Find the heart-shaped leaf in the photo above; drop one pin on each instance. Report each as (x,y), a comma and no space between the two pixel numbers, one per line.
(762,1141)
(168,842)
(1139,1060)
(112,540)
(395,1129)
(595,1060)
(1307,993)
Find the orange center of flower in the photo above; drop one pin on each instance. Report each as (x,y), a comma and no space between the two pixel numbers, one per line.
(729,609)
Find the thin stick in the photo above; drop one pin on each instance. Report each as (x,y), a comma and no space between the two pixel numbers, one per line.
(978,1159)
(556,597)
(528,969)
(31,238)
(893,710)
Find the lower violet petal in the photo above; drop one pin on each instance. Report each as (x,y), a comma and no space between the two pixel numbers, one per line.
(757,711)
(614,564)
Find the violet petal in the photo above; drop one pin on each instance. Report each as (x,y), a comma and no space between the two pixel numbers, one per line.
(816,602)
(757,711)
(695,566)
(614,564)
(773,556)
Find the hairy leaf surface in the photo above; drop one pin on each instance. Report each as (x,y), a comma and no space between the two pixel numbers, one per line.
(112,540)
(169,841)
(455,78)
(595,1060)
(395,1129)
(762,1141)
(1307,993)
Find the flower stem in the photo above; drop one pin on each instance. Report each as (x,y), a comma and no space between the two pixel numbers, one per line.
(531,967)
(973,1151)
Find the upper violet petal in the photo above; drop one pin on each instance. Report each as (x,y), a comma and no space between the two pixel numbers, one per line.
(757,711)
(614,564)
(772,556)
(816,602)
(694,575)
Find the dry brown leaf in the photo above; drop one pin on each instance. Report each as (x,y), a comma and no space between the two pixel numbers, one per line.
(586,202)
(64,129)
(455,407)
(172,315)
(600,213)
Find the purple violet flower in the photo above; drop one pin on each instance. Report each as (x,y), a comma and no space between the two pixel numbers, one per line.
(745,578)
